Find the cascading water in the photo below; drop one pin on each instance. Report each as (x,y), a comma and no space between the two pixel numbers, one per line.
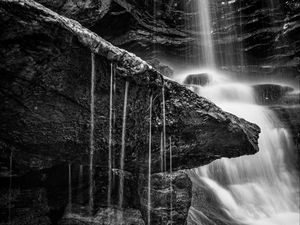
(257,190)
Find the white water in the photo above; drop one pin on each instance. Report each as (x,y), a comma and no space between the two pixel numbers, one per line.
(206,41)
(261,189)
(258,189)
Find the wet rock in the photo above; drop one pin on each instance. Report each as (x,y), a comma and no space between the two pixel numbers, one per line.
(271,93)
(201,79)
(105,216)
(170,198)
(85,12)
(45,111)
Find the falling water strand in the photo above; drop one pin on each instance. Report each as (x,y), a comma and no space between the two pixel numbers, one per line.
(161,152)
(171,186)
(92,147)
(164,128)
(70,187)
(110,138)
(149,160)
(122,158)
(10,187)
(80,183)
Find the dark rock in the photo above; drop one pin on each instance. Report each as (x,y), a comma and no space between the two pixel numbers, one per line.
(105,216)
(201,79)
(271,93)
(45,69)
(170,198)
(163,69)
(85,12)
(45,112)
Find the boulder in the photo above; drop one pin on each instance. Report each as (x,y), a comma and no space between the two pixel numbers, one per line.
(201,79)
(46,63)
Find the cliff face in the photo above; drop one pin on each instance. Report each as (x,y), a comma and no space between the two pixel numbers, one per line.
(45,84)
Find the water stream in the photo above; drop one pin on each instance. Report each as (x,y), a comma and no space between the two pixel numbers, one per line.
(70,188)
(109,189)
(92,124)
(149,161)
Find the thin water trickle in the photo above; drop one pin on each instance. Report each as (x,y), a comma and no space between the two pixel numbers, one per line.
(80,176)
(10,187)
(110,137)
(171,186)
(149,161)
(161,152)
(122,156)
(92,124)
(164,129)
(70,188)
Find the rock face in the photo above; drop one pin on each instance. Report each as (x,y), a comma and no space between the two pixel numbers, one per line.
(170,198)
(45,64)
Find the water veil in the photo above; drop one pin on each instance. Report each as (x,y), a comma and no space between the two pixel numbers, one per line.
(260,189)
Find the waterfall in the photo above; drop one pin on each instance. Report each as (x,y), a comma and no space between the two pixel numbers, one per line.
(110,137)
(149,161)
(258,189)
(207,49)
(92,147)
(122,156)
(70,188)
(261,189)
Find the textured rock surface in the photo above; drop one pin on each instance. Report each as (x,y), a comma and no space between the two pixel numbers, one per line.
(46,101)
(168,191)
(45,69)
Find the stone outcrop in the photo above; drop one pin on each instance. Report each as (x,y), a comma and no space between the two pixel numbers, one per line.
(45,84)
